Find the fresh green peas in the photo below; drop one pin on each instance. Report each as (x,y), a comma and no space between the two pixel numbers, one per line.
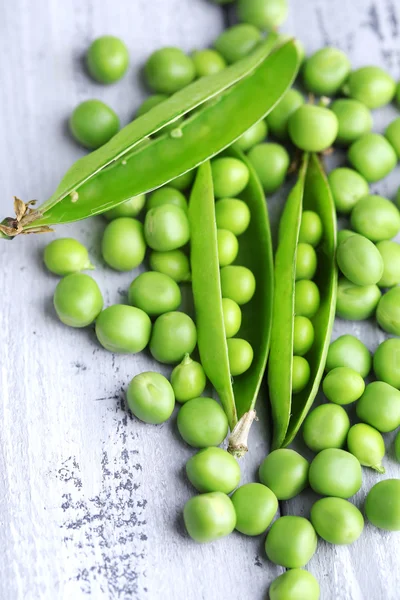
(343,234)
(354,120)
(107,59)
(370,85)
(213,470)
(183,181)
(166,227)
(326,426)
(237,41)
(388,311)
(130,208)
(313,128)
(264,505)
(93,123)
(356,302)
(271,162)
(335,472)
(174,335)
(387,362)
(372,156)
(209,517)
(123,246)
(264,15)
(150,397)
(228,247)
(240,354)
(303,335)
(311,228)
(306,261)
(277,119)
(237,283)
(294,585)
(376,218)
(306,298)
(202,423)
(254,135)
(154,293)
(348,351)
(285,472)
(232,317)
(300,374)
(125,329)
(174,263)
(343,385)
(336,520)
(347,188)
(325,71)
(379,406)
(168,70)
(359,260)
(77,300)
(167,195)
(291,542)
(208,62)
(392,134)
(65,256)
(188,381)
(149,103)
(230,176)
(382,505)
(397,447)
(390,252)
(232,214)
(366,443)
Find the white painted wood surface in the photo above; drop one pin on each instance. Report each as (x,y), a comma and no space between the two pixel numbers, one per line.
(90,498)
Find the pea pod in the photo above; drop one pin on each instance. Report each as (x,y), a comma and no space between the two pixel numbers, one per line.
(131,163)
(311,192)
(238,397)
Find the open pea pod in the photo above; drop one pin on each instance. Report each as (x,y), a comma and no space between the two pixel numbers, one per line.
(131,163)
(311,192)
(238,396)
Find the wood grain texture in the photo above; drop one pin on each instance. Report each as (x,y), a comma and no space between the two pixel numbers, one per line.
(90,498)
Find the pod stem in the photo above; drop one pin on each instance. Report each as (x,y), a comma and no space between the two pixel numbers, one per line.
(238,438)
(380,468)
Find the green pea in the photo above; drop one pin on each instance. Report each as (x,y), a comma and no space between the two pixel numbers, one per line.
(348,351)
(168,70)
(343,234)
(300,374)
(392,134)
(347,187)
(285,472)
(376,218)
(238,284)
(264,505)
(150,397)
(232,214)
(359,260)
(310,228)
(379,406)
(397,447)
(354,120)
(237,41)
(370,85)
(387,362)
(188,381)
(372,156)
(228,247)
(149,103)
(232,317)
(291,542)
(209,517)
(382,505)
(303,335)
(335,472)
(154,293)
(313,128)
(93,123)
(130,208)
(325,71)
(166,227)
(356,302)
(343,385)
(174,335)
(240,354)
(366,443)
(326,426)
(306,261)
(65,256)
(174,263)
(183,181)
(107,59)
(388,311)
(271,162)
(213,470)
(230,176)
(306,298)
(397,95)
(167,195)
(264,15)
(337,521)
(277,119)
(294,585)
(255,135)
(390,252)
(202,423)
(123,246)
(124,329)
(77,300)
(208,62)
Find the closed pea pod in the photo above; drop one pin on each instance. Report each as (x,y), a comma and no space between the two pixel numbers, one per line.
(372,156)
(379,406)
(188,380)
(343,385)
(376,218)
(387,362)
(293,585)
(354,120)
(388,311)
(336,520)
(325,71)
(390,252)
(347,188)
(366,443)
(356,302)
(370,85)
